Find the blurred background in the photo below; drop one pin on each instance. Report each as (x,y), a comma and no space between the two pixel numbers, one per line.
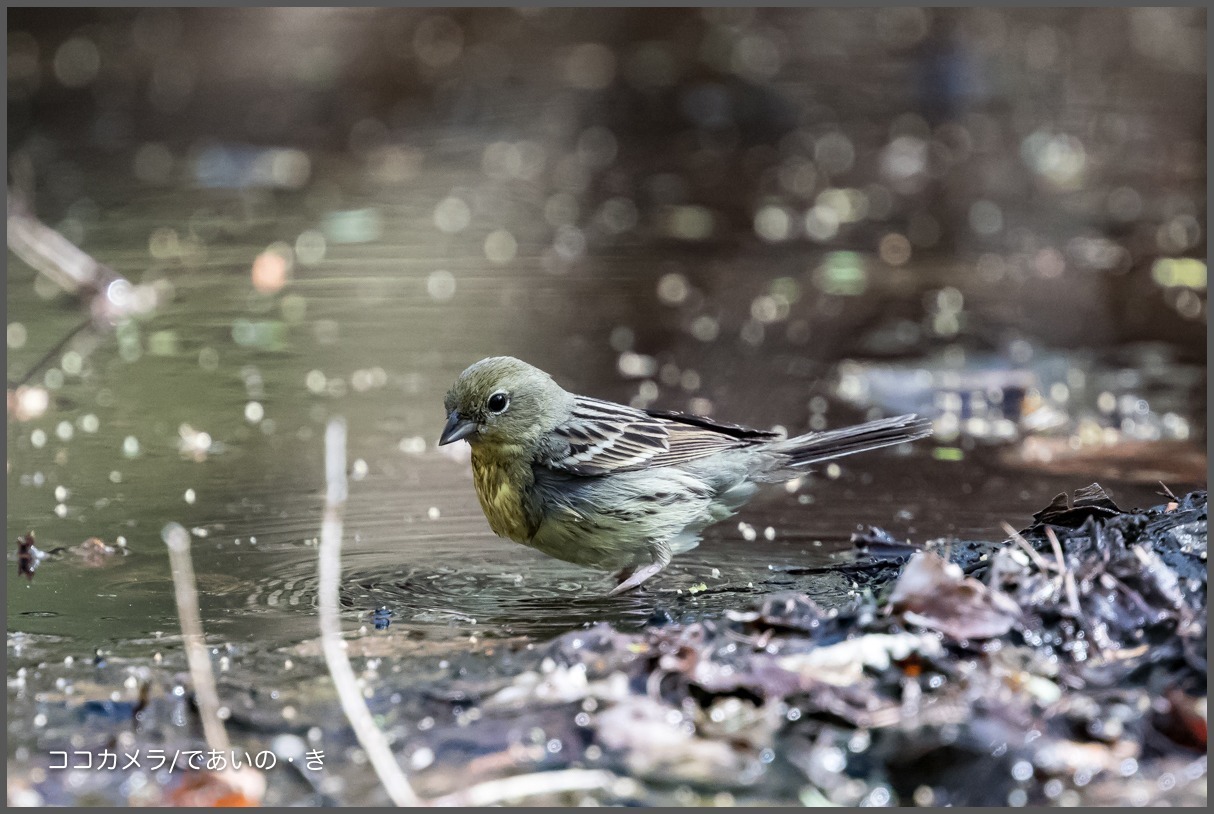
(784,217)
(791,184)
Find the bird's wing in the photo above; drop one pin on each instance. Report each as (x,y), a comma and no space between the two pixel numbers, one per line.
(604,437)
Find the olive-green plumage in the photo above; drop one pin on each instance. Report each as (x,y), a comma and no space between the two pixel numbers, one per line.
(613,487)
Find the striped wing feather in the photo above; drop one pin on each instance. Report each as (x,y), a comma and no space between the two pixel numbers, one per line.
(606,437)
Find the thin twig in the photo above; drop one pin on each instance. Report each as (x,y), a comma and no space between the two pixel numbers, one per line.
(1060,579)
(520,786)
(207,696)
(1054,544)
(348,692)
(1068,579)
(51,253)
(50,354)
(1037,559)
(246,779)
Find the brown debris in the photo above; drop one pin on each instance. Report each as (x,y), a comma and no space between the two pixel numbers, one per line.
(934,593)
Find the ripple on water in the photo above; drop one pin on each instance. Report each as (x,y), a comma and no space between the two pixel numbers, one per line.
(543,600)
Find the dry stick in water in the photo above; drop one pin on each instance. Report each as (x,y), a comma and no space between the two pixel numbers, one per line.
(334,646)
(247,780)
(110,297)
(178,540)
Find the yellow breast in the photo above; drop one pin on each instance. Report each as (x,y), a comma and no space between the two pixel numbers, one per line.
(502,477)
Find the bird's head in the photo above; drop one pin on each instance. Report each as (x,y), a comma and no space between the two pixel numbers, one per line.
(501,400)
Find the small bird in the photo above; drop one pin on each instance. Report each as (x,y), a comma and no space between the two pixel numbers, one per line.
(617,488)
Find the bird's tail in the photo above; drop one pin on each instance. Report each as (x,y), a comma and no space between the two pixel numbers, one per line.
(815,447)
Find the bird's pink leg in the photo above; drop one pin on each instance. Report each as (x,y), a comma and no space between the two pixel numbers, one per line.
(632,577)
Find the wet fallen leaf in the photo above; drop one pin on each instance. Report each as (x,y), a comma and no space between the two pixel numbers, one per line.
(935,594)
(94,552)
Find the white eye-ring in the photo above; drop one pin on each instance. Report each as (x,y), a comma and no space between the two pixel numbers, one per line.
(498,402)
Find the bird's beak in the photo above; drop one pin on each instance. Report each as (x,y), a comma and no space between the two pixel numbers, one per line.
(457,427)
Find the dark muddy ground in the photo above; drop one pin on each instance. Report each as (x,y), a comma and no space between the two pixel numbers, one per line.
(1066,665)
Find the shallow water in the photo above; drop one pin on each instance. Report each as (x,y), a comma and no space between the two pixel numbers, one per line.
(361,336)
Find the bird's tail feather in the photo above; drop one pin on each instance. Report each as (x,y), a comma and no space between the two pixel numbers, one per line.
(815,447)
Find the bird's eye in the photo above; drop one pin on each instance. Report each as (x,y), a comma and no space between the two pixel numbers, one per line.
(498,403)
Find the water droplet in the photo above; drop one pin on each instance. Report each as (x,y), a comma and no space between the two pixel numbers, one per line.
(452,215)
(500,247)
(440,285)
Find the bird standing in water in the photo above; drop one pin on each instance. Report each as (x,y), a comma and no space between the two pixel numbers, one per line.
(614,487)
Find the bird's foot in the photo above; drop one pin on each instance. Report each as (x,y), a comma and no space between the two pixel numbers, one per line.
(632,577)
